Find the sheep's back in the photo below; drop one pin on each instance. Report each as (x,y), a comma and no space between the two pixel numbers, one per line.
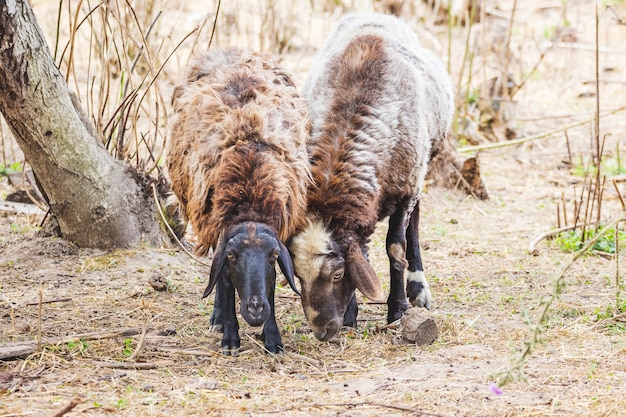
(237,148)
(387,100)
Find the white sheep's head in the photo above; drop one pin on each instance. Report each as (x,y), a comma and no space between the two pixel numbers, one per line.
(329,271)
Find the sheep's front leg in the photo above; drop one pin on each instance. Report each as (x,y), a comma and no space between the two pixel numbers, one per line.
(230,341)
(396,244)
(217,317)
(417,288)
(352,311)
(271,335)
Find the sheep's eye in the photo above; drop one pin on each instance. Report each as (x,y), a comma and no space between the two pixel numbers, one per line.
(273,256)
(230,256)
(338,275)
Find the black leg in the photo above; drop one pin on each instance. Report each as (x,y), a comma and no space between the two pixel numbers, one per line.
(349,318)
(271,335)
(217,317)
(396,244)
(231,341)
(417,288)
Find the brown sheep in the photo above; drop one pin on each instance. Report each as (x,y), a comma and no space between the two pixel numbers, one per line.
(238,166)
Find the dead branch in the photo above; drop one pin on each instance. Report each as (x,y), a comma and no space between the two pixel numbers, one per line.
(14,350)
(20,208)
(67,407)
(195,351)
(56,300)
(534,137)
(532,247)
(126,365)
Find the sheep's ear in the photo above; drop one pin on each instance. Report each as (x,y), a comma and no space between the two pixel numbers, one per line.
(363,275)
(284,261)
(176,94)
(219,260)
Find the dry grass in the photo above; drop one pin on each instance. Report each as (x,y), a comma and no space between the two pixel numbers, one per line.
(486,286)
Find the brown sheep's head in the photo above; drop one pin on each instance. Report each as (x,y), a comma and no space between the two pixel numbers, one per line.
(329,272)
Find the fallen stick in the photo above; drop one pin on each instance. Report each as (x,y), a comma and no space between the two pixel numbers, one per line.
(14,350)
(67,407)
(126,365)
(532,247)
(56,300)
(20,208)
(534,137)
(197,351)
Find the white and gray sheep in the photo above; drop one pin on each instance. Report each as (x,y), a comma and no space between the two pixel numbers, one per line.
(380,105)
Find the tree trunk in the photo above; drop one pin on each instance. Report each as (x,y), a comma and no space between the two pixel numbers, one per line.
(97,200)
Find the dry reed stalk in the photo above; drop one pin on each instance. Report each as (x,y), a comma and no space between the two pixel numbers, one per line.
(507,53)
(534,137)
(586,215)
(564,209)
(618,284)
(532,247)
(26,348)
(126,365)
(483,46)
(515,370)
(39,320)
(169,228)
(569,149)
(142,339)
(619,195)
(466,51)
(4,145)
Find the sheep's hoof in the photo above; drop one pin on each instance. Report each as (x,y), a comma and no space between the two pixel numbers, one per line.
(275,349)
(228,351)
(216,328)
(419,293)
(273,343)
(396,310)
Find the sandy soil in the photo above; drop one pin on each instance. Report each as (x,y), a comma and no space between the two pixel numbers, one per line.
(486,288)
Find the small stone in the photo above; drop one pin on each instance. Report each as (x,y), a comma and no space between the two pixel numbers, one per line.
(157,282)
(418,326)
(201,384)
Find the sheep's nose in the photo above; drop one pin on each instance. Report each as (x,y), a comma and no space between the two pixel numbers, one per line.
(255,306)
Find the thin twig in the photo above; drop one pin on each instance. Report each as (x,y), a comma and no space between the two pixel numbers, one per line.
(533,137)
(217,13)
(126,365)
(619,194)
(515,370)
(142,338)
(618,283)
(160,209)
(532,246)
(56,300)
(67,407)
(39,320)
(26,348)
(564,209)
(569,149)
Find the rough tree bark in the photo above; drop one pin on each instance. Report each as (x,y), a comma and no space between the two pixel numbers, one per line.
(97,200)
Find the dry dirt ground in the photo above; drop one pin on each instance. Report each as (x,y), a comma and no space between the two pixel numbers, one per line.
(486,287)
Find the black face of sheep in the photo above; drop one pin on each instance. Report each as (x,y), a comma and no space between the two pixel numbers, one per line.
(245,261)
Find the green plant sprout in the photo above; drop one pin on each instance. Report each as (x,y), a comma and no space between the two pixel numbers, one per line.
(128,347)
(571,241)
(5,171)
